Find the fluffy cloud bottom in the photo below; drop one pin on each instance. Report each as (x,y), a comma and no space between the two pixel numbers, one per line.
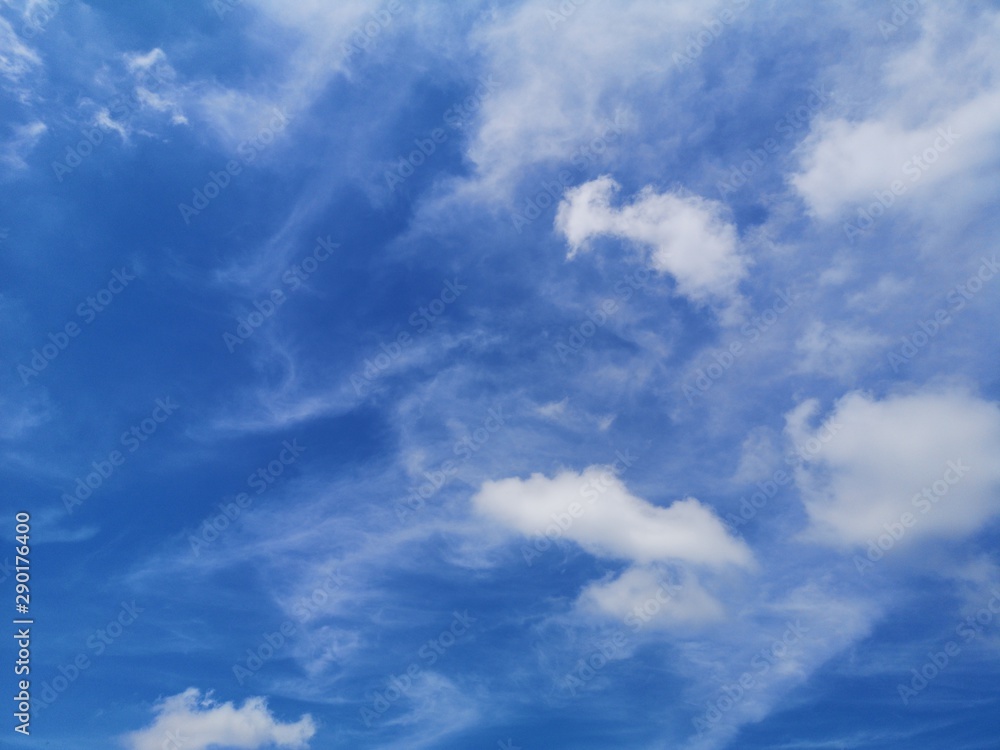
(596,510)
(922,464)
(198,723)
(690,237)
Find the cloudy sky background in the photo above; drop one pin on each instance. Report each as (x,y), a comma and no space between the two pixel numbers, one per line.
(533,375)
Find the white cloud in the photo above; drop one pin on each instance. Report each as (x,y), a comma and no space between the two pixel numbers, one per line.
(567,71)
(437,708)
(883,294)
(103,119)
(836,350)
(329,37)
(233,116)
(875,460)
(554,410)
(157,87)
(201,723)
(16,58)
(650,599)
(935,113)
(774,648)
(14,151)
(845,163)
(595,510)
(690,237)
(143,63)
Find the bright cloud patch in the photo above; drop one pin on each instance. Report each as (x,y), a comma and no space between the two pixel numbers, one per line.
(595,510)
(925,127)
(565,69)
(200,723)
(845,163)
(690,237)
(932,456)
(443,565)
(16,58)
(14,151)
(641,596)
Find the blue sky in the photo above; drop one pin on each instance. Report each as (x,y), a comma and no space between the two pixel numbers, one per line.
(512,375)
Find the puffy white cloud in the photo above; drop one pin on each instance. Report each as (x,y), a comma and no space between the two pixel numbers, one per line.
(690,237)
(595,510)
(845,163)
(931,454)
(936,114)
(200,723)
(642,597)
